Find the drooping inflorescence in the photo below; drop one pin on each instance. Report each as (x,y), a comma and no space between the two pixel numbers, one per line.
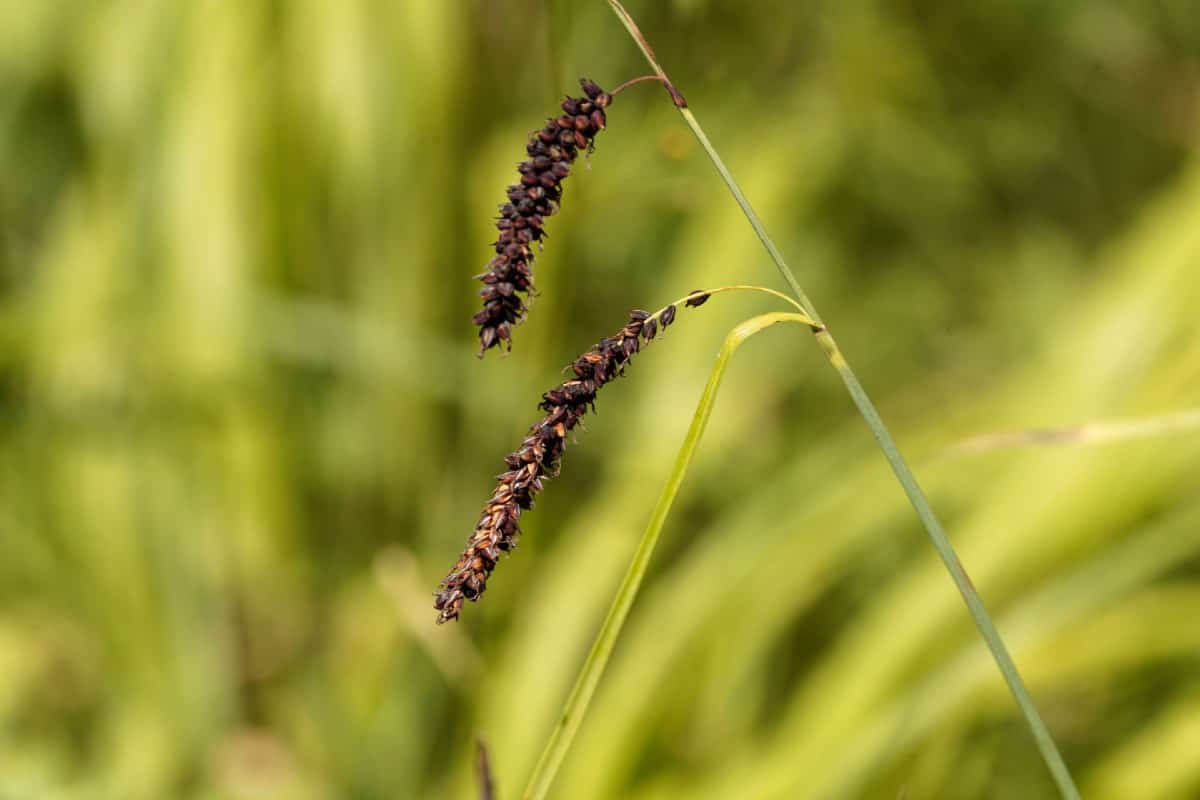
(539,455)
(551,152)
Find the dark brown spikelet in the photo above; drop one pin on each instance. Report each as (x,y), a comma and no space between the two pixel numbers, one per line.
(697,298)
(552,150)
(538,458)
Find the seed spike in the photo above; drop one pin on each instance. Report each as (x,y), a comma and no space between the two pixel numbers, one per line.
(539,458)
(552,149)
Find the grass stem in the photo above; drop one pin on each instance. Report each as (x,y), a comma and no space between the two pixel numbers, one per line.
(597,659)
(866,408)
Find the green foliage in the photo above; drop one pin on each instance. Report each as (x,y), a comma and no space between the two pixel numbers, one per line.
(243,435)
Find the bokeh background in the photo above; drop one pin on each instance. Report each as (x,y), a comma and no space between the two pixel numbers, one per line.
(243,433)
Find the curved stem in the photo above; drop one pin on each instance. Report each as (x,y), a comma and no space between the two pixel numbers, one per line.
(745,287)
(766,290)
(639,79)
(983,621)
(597,660)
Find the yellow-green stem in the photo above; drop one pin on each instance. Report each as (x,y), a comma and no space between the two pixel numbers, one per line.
(593,668)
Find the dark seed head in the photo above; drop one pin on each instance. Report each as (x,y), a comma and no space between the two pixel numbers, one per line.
(668,316)
(551,151)
(538,457)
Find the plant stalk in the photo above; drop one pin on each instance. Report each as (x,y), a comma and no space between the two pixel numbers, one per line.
(597,660)
(983,621)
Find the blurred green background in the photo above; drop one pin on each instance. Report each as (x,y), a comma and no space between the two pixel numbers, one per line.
(243,434)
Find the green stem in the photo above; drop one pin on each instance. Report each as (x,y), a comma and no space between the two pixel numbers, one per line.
(916,496)
(983,621)
(593,668)
(741,287)
(726,175)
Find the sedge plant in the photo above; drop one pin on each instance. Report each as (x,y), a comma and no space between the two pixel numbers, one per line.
(551,150)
